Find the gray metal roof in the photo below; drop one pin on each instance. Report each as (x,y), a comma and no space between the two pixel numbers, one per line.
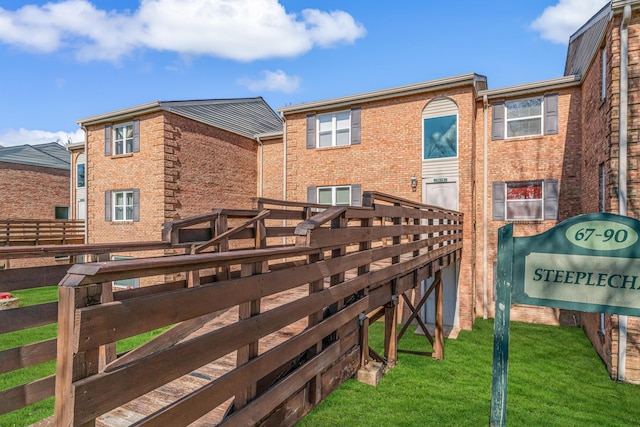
(50,155)
(584,43)
(244,116)
(479,81)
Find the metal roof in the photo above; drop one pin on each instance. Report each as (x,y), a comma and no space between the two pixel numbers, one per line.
(50,155)
(244,116)
(480,83)
(531,88)
(584,43)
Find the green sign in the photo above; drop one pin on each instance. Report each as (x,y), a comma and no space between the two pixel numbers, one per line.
(586,263)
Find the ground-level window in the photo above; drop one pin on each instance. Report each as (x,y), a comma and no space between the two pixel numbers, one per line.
(335,195)
(525,200)
(122,205)
(125,283)
(61,212)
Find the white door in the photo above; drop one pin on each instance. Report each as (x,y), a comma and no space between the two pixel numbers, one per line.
(81,212)
(443,194)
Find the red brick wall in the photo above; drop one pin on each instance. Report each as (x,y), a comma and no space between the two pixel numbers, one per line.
(390,153)
(143,170)
(32,192)
(528,158)
(272,168)
(206,168)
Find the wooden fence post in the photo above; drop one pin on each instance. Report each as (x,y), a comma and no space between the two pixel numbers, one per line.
(71,365)
(246,353)
(438,344)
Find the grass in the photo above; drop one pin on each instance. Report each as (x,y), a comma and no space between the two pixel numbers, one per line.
(43,409)
(555,379)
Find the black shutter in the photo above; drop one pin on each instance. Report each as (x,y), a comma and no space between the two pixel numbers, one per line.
(311,131)
(355,126)
(551,199)
(107,205)
(497,121)
(311,195)
(356,195)
(551,114)
(498,201)
(107,140)
(136,136)
(136,204)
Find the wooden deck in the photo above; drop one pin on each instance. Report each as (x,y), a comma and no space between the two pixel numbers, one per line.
(169,393)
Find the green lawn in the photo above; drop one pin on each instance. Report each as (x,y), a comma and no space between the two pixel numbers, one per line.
(555,379)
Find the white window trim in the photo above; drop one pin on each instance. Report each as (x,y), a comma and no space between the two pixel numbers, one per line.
(124,141)
(136,280)
(506,200)
(334,189)
(457,139)
(124,206)
(334,124)
(507,120)
(85,175)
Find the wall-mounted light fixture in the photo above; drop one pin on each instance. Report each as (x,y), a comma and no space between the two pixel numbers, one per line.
(414,183)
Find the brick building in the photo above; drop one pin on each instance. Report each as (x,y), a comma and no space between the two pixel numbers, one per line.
(23,169)
(532,154)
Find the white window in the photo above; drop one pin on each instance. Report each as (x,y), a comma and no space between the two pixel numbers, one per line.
(123,139)
(125,283)
(335,196)
(122,205)
(524,200)
(524,117)
(334,129)
(80,175)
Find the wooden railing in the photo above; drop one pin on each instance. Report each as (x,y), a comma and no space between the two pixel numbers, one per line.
(25,318)
(353,264)
(20,232)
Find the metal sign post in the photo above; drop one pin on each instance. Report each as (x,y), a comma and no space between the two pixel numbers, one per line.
(586,263)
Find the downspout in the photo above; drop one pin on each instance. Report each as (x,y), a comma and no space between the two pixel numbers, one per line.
(260,165)
(622,166)
(485,208)
(284,159)
(86,186)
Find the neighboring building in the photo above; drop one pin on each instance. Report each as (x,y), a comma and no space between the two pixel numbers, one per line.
(34,182)
(157,162)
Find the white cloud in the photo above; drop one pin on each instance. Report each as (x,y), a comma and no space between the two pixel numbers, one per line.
(273,81)
(21,136)
(243,30)
(558,22)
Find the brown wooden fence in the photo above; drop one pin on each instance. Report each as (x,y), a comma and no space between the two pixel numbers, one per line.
(352,264)
(20,232)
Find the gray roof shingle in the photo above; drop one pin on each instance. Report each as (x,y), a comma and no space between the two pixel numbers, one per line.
(50,155)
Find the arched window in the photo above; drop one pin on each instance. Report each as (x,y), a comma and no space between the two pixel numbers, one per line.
(440,129)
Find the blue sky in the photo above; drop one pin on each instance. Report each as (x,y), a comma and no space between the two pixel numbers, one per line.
(65,60)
